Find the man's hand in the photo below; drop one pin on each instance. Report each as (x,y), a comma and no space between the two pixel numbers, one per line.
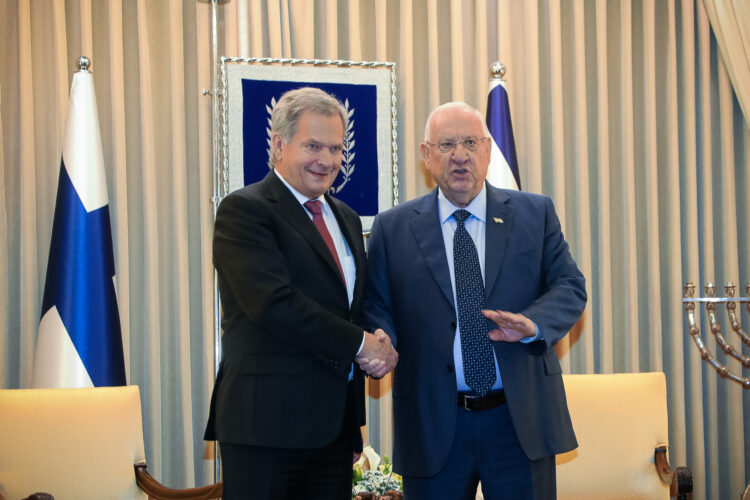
(378,356)
(511,327)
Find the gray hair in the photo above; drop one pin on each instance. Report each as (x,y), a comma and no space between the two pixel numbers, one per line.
(293,104)
(455,104)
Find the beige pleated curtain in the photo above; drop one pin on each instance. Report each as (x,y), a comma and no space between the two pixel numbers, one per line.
(623,111)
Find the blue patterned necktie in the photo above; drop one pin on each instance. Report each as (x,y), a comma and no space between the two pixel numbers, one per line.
(476,347)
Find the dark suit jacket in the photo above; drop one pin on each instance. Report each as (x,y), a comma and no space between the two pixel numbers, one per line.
(528,269)
(290,336)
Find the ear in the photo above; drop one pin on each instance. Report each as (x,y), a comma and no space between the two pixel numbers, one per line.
(276,145)
(425,150)
(488,145)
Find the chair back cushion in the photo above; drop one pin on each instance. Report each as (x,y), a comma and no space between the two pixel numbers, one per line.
(619,419)
(71,443)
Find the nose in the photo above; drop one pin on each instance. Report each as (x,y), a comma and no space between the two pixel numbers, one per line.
(327,158)
(460,153)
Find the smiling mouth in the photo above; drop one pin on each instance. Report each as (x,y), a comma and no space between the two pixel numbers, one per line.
(319,174)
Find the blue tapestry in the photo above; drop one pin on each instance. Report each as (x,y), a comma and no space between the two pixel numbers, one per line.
(357,182)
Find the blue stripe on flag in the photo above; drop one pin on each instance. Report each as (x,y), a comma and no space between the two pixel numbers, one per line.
(501,127)
(79,282)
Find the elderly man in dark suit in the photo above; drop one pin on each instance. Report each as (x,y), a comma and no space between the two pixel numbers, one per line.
(289,396)
(474,285)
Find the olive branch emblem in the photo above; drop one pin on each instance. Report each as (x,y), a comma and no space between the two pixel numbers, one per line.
(269,110)
(347,165)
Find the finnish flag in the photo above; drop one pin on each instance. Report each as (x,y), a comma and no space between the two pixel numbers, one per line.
(503,169)
(79,342)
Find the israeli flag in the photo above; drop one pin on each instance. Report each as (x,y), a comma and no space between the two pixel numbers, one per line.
(503,169)
(79,342)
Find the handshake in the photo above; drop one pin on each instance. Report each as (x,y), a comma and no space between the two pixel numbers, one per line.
(377,356)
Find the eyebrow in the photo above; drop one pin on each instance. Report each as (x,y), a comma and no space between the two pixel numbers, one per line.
(471,136)
(321,143)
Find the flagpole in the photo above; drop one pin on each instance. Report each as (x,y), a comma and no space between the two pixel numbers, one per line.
(216,199)
(217,194)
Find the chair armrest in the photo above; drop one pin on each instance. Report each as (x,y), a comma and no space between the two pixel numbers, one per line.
(154,489)
(680,480)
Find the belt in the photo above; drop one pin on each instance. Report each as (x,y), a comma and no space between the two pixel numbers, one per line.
(479,403)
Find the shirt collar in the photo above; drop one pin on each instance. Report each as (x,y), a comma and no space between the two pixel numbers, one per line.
(477,207)
(301,198)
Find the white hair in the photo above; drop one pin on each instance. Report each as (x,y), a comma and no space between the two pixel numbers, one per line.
(454,104)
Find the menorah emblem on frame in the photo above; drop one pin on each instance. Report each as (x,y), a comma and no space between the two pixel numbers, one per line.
(710,300)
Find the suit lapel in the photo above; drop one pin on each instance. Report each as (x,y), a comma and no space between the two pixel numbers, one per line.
(426,228)
(288,207)
(500,216)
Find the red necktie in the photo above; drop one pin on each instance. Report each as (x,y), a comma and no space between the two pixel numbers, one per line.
(315,208)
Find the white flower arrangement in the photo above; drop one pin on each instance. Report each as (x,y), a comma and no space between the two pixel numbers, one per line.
(370,475)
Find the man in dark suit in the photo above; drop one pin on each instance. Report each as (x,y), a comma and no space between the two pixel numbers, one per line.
(288,401)
(474,399)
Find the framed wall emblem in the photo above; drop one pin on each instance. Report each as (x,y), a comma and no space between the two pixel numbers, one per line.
(250,88)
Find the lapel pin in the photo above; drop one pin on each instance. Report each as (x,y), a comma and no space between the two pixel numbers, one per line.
(498,220)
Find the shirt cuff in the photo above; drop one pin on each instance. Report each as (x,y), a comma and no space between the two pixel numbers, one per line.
(362,345)
(536,337)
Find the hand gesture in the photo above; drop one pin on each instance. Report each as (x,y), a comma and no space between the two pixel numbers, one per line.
(511,327)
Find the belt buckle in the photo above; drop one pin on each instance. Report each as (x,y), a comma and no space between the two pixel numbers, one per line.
(467,399)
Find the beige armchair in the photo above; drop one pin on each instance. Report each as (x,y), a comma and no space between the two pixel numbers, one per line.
(621,424)
(78,444)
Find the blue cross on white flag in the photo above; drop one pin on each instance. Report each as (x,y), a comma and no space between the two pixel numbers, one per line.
(503,169)
(79,342)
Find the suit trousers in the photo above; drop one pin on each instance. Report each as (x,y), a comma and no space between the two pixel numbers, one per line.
(485,448)
(264,473)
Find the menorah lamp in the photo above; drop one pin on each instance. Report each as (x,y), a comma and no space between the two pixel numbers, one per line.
(711,300)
